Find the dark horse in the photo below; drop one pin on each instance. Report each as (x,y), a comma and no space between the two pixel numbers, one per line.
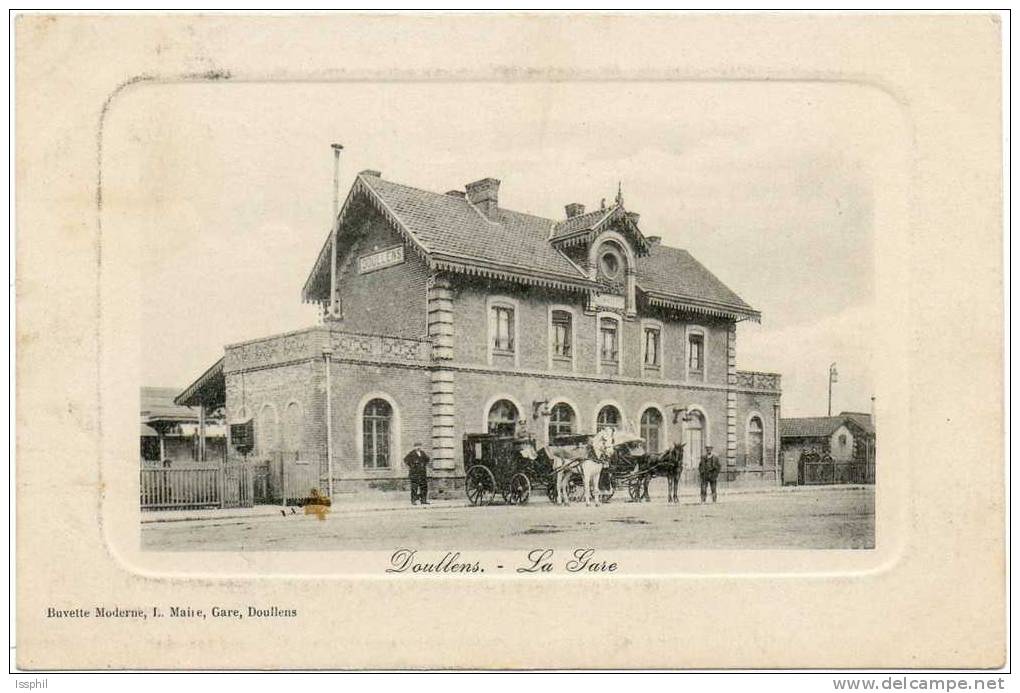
(668,464)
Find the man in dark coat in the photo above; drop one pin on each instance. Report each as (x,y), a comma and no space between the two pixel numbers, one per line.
(708,473)
(418,471)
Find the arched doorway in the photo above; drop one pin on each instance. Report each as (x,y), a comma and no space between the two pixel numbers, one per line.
(608,417)
(503,417)
(694,438)
(561,420)
(651,428)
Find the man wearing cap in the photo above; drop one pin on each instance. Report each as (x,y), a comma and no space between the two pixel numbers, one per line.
(708,473)
(418,472)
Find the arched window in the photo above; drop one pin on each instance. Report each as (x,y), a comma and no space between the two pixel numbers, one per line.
(503,418)
(755,447)
(377,423)
(651,424)
(292,429)
(609,417)
(265,430)
(561,420)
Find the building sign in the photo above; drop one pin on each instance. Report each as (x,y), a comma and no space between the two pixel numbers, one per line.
(381,260)
(610,301)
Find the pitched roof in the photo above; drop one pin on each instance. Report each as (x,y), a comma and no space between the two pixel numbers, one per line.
(453,234)
(862,419)
(449,225)
(820,426)
(581,222)
(674,272)
(157,403)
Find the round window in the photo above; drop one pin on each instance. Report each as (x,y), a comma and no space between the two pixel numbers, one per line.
(610,264)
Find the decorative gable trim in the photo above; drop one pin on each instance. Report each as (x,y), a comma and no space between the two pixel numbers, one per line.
(476,268)
(360,188)
(697,307)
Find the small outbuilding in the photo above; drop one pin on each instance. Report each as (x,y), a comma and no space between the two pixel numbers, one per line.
(828,449)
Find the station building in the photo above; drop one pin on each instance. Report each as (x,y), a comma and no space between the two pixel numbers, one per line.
(446,314)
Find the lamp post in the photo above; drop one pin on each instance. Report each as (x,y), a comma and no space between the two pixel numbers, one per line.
(833,378)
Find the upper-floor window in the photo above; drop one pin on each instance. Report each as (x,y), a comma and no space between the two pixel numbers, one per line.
(696,353)
(501,328)
(652,340)
(561,333)
(609,340)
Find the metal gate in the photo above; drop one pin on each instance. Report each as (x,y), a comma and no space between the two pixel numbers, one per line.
(816,470)
(237,485)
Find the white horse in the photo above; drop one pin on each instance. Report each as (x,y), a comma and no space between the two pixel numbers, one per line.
(591,456)
(565,458)
(603,444)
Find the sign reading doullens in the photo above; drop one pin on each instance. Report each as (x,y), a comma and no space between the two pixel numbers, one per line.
(381,259)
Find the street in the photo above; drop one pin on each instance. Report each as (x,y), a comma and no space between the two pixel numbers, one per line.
(799,518)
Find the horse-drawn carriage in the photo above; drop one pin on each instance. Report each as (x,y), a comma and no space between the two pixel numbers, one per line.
(501,464)
(513,466)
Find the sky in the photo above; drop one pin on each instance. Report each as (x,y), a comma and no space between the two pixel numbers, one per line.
(228,189)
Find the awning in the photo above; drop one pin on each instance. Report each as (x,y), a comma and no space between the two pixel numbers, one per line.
(209,389)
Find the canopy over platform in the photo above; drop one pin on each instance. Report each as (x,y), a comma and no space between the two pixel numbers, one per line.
(209,390)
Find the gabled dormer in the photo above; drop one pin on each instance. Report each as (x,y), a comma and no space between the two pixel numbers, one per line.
(605,243)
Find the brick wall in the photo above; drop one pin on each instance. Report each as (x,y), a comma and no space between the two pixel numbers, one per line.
(386,301)
(265,394)
(471,332)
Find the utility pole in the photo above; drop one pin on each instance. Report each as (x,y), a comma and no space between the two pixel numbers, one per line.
(833,378)
(337,148)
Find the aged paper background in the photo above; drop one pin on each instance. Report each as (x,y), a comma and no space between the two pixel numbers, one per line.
(932,592)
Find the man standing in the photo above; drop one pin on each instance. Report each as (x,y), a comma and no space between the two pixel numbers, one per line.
(418,472)
(708,472)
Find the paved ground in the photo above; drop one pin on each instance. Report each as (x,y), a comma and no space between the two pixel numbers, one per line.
(805,517)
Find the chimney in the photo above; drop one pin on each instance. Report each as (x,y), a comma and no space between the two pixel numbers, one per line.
(456,193)
(653,240)
(484,194)
(574,209)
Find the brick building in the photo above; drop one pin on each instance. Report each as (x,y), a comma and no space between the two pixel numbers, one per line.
(446,314)
(847,437)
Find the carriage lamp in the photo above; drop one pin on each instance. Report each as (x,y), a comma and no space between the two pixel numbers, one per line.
(540,408)
(678,412)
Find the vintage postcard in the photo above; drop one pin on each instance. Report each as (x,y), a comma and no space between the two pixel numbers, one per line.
(408,339)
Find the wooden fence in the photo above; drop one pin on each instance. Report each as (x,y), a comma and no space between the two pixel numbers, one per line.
(235,485)
(222,486)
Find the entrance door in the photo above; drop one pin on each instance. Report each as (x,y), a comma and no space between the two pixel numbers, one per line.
(694,437)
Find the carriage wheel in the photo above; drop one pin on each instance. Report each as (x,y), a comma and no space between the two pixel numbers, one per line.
(480,485)
(607,485)
(575,488)
(635,487)
(550,489)
(520,489)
